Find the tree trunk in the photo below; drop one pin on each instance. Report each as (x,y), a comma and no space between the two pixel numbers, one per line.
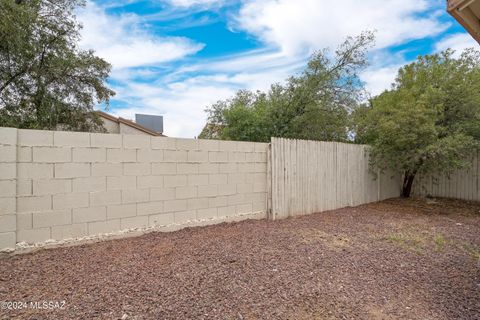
(407,184)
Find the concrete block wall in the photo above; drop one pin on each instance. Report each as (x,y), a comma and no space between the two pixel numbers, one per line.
(59,185)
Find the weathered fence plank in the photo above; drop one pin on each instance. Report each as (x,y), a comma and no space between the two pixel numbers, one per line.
(314,176)
(462,184)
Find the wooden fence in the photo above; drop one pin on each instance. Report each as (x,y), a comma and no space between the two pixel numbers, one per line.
(462,184)
(313,176)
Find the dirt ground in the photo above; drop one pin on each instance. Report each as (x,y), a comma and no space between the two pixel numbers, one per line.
(397,259)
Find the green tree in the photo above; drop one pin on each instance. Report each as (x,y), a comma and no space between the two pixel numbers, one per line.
(46,81)
(429,122)
(313,105)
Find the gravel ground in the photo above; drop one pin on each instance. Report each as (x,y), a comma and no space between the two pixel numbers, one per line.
(397,259)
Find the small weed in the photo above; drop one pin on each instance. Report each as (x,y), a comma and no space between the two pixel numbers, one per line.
(439,241)
(408,241)
(472,250)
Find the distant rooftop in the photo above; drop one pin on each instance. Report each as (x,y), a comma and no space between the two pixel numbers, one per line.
(135,125)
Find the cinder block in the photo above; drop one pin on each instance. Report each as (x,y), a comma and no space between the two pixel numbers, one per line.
(174,156)
(24,154)
(89,214)
(185,216)
(259,206)
(175,205)
(150,182)
(121,155)
(208,145)
(33,170)
(219,156)
(175,181)
(163,143)
(33,235)
(260,147)
(136,169)
(218,178)
(89,184)
(121,211)
(8,153)
(207,214)
(186,144)
(148,208)
(149,155)
(244,208)
(163,219)
(100,227)
(51,186)
(236,156)
(227,167)
(197,179)
(236,199)
(9,171)
(260,167)
(89,154)
(246,167)
(260,157)
(72,170)
(69,231)
(105,140)
(8,222)
(187,168)
(52,218)
(105,198)
(250,157)
(134,222)
(158,194)
(34,204)
(228,211)
(207,191)
(216,202)
(185,192)
(245,146)
(198,203)
(8,136)
(255,177)
(24,221)
(208,168)
(136,141)
(197,156)
(227,145)
(35,138)
(234,178)
(70,200)
(164,168)
(24,188)
(7,205)
(256,197)
(244,187)
(122,182)
(260,187)
(7,239)
(8,188)
(134,196)
(71,139)
(107,169)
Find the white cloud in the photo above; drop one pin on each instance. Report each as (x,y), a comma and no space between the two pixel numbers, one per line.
(124,42)
(378,79)
(190,3)
(457,42)
(302,25)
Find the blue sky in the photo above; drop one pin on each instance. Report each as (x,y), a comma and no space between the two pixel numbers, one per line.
(177,57)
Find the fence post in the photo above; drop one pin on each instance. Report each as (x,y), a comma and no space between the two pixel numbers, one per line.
(270,213)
